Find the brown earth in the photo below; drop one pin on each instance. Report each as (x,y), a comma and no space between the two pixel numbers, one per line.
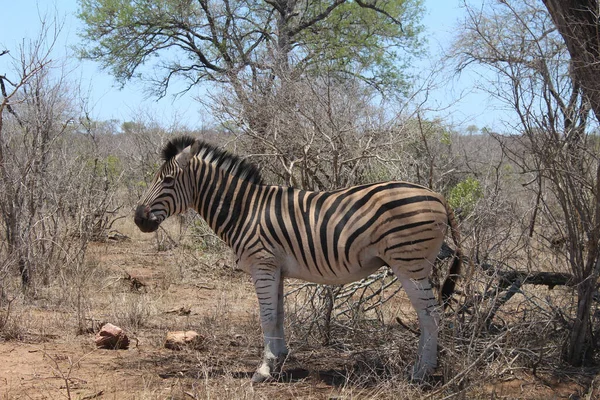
(49,360)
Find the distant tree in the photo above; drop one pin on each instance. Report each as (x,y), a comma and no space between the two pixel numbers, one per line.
(241,42)
(472,129)
(252,47)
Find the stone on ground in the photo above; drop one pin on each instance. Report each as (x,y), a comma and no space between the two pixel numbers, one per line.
(111,337)
(178,340)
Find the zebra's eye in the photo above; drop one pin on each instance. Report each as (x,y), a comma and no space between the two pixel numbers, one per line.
(168,180)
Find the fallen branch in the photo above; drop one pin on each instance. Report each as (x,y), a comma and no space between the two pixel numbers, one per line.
(509,277)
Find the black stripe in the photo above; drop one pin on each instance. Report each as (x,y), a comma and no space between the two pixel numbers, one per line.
(293,203)
(228,203)
(402,228)
(269,224)
(210,189)
(255,252)
(188,184)
(238,209)
(270,279)
(409,243)
(262,286)
(337,232)
(252,205)
(308,226)
(202,182)
(283,228)
(410,214)
(384,208)
(218,198)
(319,203)
(408,259)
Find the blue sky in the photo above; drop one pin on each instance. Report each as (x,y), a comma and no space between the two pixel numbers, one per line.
(454,98)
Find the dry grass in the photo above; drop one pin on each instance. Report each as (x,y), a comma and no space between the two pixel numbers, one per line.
(368,355)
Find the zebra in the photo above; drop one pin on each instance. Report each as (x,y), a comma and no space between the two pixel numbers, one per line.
(329,237)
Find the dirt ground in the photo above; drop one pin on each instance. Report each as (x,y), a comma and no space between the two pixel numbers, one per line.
(49,360)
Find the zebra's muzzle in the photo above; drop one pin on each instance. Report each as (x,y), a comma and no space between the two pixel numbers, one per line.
(145,220)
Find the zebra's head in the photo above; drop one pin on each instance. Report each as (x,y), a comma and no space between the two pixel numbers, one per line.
(167,194)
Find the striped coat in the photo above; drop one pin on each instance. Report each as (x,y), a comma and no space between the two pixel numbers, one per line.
(324,237)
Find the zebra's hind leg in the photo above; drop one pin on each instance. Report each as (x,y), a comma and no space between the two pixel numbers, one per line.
(417,285)
(268,283)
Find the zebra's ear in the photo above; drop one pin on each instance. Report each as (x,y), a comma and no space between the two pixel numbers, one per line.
(183,158)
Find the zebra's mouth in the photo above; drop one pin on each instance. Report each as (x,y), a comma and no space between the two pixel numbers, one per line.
(145,220)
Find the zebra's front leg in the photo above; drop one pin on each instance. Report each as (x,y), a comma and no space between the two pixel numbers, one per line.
(268,283)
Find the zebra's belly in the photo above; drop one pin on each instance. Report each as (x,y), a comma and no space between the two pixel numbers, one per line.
(336,274)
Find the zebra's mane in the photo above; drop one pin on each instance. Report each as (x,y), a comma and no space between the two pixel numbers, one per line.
(224,160)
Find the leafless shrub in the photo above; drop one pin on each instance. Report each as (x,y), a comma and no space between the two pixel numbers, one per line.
(319,133)
(65,373)
(546,87)
(525,336)
(200,235)
(8,328)
(140,144)
(56,186)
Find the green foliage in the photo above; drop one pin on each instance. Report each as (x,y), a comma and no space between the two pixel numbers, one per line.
(425,135)
(446,138)
(358,40)
(113,167)
(206,41)
(109,167)
(465,195)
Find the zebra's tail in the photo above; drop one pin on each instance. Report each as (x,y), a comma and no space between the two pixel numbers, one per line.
(454,272)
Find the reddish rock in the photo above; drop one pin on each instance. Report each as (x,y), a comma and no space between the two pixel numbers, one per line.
(111,337)
(178,340)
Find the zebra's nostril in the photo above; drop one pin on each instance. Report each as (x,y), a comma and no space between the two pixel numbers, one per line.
(145,220)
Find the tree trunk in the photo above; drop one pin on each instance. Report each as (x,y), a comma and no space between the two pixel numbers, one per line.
(577,23)
(580,350)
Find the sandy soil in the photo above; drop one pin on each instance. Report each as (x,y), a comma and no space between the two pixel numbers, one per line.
(50,361)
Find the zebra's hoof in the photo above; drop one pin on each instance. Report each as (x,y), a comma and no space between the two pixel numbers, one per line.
(260,378)
(420,375)
(263,373)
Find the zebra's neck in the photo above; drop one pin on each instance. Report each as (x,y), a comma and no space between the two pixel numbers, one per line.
(224,201)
